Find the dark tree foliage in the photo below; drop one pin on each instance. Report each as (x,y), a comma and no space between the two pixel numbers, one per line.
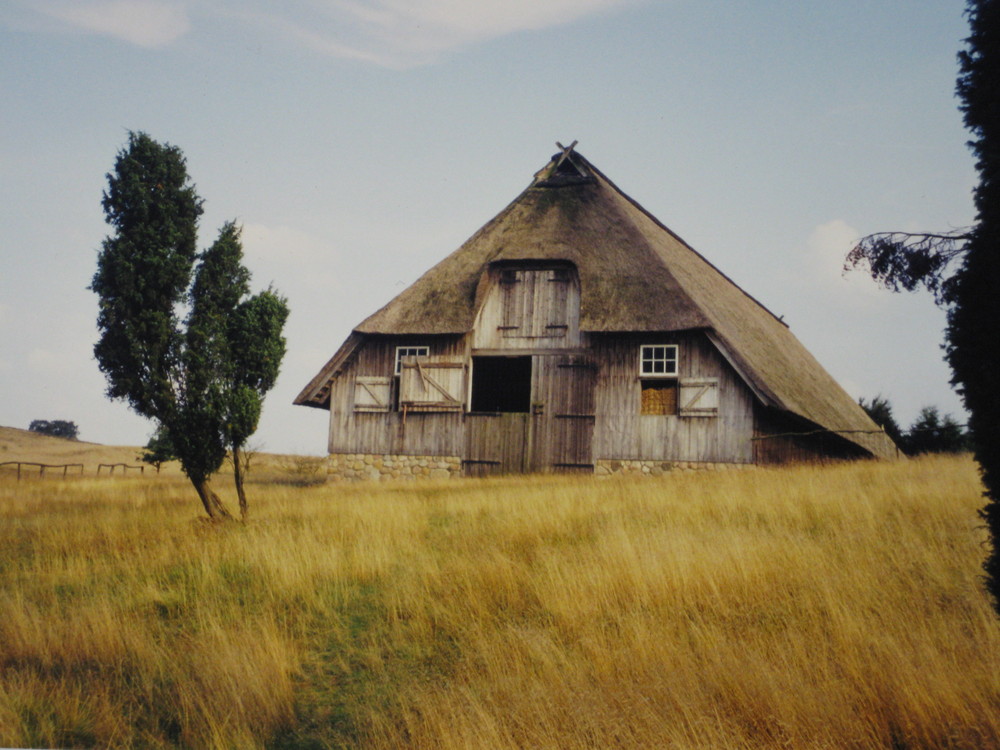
(932,433)
(962,268)
(143,273)
(235,346)
(880,411)
(159,449)
(906,261)
(202,377)
(59,428)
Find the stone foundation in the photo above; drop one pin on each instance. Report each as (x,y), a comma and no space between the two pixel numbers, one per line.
(606,467)
(354,466)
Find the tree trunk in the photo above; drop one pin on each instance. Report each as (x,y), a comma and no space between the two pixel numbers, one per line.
(213,505)
(238,478)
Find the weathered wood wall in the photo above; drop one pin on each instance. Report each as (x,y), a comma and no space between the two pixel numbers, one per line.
(529,308)
(392,432)
(621,432)
(585,391)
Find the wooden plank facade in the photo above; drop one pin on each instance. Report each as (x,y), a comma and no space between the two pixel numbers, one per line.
(581,397)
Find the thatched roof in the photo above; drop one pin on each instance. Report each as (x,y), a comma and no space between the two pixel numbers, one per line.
(635,276)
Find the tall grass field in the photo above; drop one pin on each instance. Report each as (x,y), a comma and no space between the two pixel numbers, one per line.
(805,607)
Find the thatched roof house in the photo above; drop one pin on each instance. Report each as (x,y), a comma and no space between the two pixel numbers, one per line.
(574,271)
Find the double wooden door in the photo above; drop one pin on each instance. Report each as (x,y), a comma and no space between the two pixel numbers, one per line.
(555,435)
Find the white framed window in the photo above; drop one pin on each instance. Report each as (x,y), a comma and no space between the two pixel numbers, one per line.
(408,351)
(658,361)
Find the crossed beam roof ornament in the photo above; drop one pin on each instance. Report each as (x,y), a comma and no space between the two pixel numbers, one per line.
(566,151)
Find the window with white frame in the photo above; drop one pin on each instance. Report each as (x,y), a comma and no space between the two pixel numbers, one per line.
(408,351)
(658,361)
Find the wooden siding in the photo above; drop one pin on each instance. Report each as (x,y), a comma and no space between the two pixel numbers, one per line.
(392,432)
(621,432)
(585,405)
(529,307)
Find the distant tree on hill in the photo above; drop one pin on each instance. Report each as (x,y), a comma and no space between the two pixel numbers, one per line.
(158,450)
(56,428)
(932,433)
(181,341)
(880,411)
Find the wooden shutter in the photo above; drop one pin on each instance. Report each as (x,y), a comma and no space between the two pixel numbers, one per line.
(512,302)
(699,397)
(431,384)
(372,393)
(534,302)
(552,310)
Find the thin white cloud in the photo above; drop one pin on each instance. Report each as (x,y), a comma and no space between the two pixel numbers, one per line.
(404,33)
(389,33)
(828,244)
(146,23)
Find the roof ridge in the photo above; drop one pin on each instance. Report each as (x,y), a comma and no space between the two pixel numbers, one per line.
(677,237)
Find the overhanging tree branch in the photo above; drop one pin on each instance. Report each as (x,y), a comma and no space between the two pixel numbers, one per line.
(910,260)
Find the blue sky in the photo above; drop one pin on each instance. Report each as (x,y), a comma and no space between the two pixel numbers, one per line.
(360,141)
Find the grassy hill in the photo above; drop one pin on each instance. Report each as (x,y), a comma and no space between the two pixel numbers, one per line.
(804,607)
(32,447)
(24,445)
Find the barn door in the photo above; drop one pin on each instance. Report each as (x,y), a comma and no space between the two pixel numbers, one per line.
(564,441)
(554,434)
(496,444)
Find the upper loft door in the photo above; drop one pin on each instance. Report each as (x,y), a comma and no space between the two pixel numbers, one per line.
(529,307)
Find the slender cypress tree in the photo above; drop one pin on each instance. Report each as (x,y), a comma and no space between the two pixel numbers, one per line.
(201,377)
(234,348)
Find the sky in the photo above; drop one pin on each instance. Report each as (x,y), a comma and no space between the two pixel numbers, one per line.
(358,142)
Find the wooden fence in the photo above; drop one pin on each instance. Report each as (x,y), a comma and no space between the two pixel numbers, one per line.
(42,467)
(124,467)
(23,467)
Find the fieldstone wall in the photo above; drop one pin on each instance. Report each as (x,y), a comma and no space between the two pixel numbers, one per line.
(355,466)
(348,466)
(606,467)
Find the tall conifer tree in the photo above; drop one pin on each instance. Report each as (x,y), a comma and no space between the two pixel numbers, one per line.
(962,268)
(202,377)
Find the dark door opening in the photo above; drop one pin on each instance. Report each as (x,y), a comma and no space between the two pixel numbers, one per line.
(501,384)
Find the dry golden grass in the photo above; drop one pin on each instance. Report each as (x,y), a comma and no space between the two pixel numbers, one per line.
(807,607)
